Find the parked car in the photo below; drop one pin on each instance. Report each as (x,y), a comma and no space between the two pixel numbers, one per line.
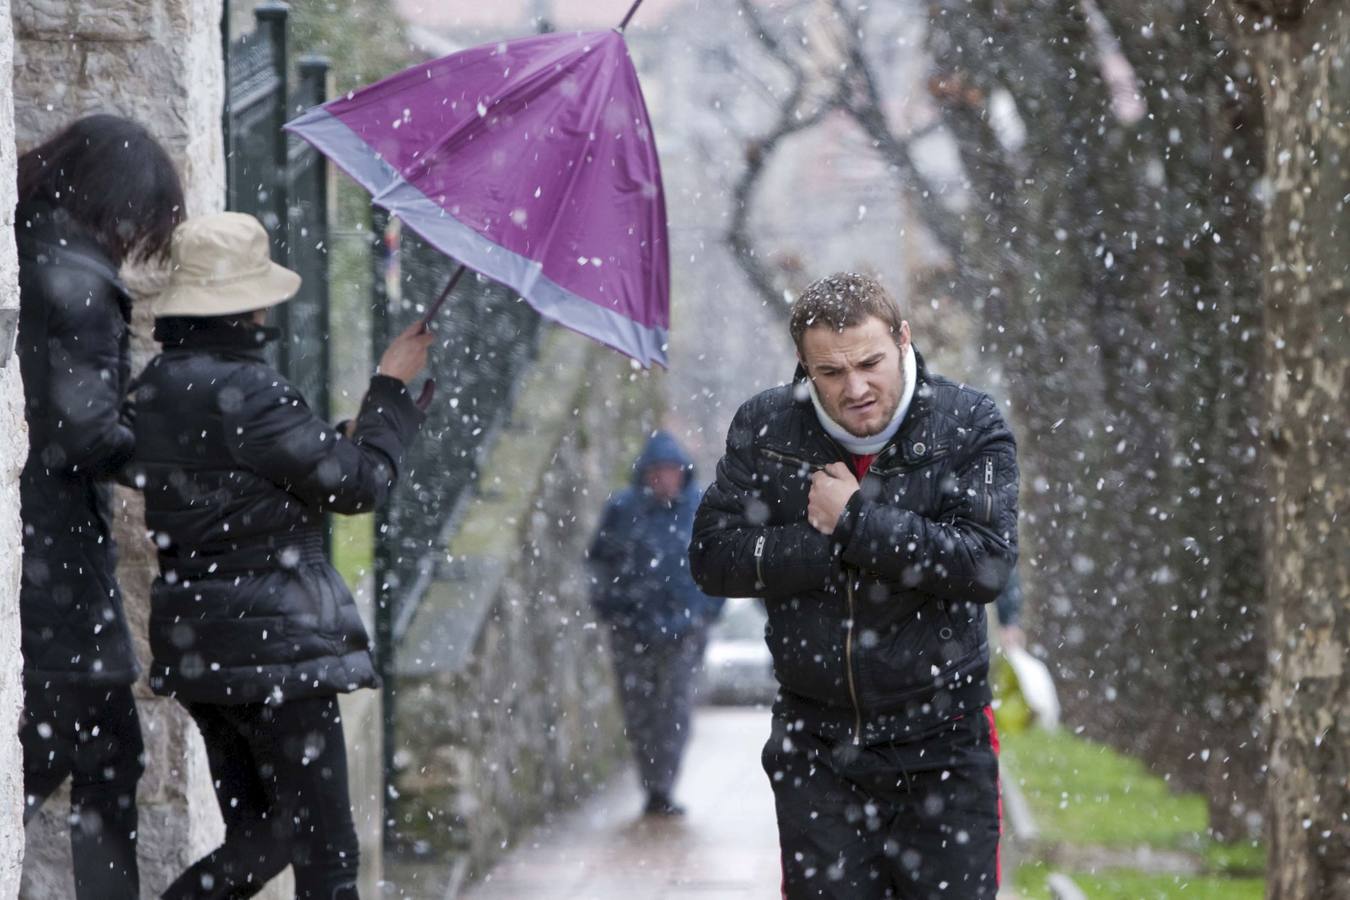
(738,670)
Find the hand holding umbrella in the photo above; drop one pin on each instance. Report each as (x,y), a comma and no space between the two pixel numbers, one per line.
(406,356)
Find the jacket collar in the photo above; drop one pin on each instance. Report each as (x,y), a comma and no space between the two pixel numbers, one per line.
(40,228)
(911,444)
(210,333)
(47,234)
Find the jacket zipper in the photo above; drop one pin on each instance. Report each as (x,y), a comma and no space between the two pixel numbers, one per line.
(759,562)
(848,663)
(989,490)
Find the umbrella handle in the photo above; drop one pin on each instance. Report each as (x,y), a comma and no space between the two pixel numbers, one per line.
(445,292)
(628,18)
(424,398)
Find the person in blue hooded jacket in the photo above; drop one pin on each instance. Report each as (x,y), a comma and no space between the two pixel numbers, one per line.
(657,617)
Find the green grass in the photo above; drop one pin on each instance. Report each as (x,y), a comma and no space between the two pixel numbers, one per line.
(1120,884)
(1247,858)
(1081,792)
(353,547)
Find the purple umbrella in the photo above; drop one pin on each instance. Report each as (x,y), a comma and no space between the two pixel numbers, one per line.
(531,161)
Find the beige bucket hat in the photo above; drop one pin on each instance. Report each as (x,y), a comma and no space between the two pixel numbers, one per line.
(222,265)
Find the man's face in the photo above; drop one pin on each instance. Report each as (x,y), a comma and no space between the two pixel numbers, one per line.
(857,373)
(664,480)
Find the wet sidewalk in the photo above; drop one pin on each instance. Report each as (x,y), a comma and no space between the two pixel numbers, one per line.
(726,848)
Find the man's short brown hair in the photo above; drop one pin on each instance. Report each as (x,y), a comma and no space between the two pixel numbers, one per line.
(843,300)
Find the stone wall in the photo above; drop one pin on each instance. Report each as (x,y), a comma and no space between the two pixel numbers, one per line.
(505,703)
(13,450)
(159,62)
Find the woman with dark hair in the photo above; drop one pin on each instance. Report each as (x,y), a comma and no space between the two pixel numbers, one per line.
(251,628)
(98,194)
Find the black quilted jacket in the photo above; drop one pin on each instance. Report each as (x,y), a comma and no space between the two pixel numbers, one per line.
(237,472)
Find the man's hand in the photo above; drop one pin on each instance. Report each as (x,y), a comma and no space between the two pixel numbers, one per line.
(831,489)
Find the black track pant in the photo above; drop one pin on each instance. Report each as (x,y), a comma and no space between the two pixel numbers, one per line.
(656,688)
(916,820)
(91,735)
(280,775)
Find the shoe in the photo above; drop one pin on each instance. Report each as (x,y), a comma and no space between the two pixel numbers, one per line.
(662,805)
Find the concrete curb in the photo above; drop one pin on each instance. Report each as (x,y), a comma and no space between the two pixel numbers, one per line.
(1062,887)
(1018,813)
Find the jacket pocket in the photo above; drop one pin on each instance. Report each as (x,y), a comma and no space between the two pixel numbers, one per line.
(791,461)
(918,655)
(961,629)
(985,494)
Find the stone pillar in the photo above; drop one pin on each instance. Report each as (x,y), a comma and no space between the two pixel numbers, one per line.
(13,450)
(159,62)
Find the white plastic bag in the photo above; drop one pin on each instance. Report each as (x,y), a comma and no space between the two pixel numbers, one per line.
(1038,687)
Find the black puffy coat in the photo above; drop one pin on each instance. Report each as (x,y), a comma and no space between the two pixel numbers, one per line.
(237,472)
(72,350)
(877,630)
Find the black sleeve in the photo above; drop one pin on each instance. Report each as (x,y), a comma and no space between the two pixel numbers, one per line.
(84,331)
(281,439)
(732,554)
(966,553)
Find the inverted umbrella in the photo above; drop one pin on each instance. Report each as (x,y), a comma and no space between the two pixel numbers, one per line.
(531,161)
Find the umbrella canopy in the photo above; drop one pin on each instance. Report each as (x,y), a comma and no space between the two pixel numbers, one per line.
(531,161)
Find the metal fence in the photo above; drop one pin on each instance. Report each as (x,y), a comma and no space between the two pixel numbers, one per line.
(487,336)
(284,183)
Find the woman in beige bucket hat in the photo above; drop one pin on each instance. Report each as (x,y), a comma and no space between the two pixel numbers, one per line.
(251,628)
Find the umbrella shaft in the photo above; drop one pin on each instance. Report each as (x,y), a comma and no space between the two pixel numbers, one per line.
(445,292)
(628,18)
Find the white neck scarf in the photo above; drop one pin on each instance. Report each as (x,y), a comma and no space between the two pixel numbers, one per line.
(875,443)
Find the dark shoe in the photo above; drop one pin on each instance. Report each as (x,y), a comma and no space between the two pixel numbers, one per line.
(661,805)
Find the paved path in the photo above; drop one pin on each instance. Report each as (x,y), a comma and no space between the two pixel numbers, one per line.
(726,848)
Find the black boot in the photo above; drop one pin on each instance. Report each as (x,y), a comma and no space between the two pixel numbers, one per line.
(661,805)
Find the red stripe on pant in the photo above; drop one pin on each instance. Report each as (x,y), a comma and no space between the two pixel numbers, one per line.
(993,742)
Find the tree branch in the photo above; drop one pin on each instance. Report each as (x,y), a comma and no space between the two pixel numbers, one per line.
(864,104)
(791,120)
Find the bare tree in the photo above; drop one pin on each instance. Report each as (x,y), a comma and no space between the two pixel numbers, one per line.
(1300,49)
(821,50)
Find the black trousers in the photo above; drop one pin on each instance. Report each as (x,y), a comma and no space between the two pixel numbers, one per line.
(917,819)
(91,735)
(656,690)
(280,774)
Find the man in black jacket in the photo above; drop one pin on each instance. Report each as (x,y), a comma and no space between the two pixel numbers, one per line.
(873,505)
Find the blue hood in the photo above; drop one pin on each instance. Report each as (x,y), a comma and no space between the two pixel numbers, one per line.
(662,448)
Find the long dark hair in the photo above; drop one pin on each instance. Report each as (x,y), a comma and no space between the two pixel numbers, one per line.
(113,179)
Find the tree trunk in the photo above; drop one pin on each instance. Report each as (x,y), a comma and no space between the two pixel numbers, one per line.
(1303,72)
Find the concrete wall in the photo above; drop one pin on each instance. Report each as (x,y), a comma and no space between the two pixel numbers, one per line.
(157,61)
(505,702)
(13,450)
